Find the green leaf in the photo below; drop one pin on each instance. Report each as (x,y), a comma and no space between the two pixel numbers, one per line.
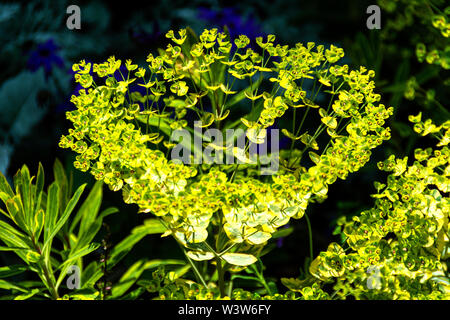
(240,276)
(68,210)
(79,253)
(239,259)
(33,257)
(63,184)
(281,233)
(241,95)
(72,257)
(11,286)
(39,187)
(4,197)
(90,275)
(259,237)
(128,279)
(39,219)
(53,203)
(314,157)
(5,187)
(107,212)
(133,295)
(12,237)
(26,296)
(12,270)
(200,255)
(135,271)
(24,187)
(296,284)
(151,226)
(15,210)
(87,214)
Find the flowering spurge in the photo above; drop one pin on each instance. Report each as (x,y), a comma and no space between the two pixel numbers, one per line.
(399,249)
(431,16)
(122,128)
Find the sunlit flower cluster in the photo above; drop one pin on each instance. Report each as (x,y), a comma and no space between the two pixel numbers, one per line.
(398,249)
(121,131)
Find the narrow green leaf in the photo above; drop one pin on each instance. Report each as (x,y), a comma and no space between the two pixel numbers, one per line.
(151,226)
(26,296)
(88,236)
(128,279)
(62,220)
(241,95)
(280,233)
(123,247)
(135,271)
(11,286)
(107,212)
(39,219)
(61,180)
(25,193)
(88,211)
(73,257)
(80,253)
(5,187)
(12,237)
(39,187)
(90,275)
(15,210)
(53,203)
(133,295)
(12,270)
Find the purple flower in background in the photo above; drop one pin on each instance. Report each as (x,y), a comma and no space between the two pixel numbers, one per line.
(283,143)
(142,36)
(281,240)
(45,55)
(236,23)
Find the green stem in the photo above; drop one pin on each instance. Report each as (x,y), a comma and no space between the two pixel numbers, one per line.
(261,278)
(50,284)
(197,273)
(220,273)
(310,238)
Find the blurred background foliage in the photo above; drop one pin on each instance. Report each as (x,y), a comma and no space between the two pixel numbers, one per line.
(36,84)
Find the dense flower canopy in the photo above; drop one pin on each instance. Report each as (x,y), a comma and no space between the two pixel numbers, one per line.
(121,135)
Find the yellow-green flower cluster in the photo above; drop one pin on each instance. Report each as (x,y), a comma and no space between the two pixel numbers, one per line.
(434,15)
(166,286)
(398,249)
(121,132)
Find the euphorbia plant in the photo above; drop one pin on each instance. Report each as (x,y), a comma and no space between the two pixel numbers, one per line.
(398,249)
(224,212)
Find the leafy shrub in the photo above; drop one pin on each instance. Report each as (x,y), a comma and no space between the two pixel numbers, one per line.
(42,228)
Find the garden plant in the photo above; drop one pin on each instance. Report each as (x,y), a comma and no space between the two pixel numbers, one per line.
(220,142)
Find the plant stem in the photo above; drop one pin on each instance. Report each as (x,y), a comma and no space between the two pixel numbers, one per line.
(197,273)
(310,237)
(220,273)
(261,278)
(51,286)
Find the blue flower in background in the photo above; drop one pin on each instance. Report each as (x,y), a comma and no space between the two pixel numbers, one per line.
(236,23)
(280,241)
(142,36)
(45,55)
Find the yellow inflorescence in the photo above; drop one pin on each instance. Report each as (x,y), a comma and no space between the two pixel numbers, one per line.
(117,131)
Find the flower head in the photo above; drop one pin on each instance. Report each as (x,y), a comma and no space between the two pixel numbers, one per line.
(46,56)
